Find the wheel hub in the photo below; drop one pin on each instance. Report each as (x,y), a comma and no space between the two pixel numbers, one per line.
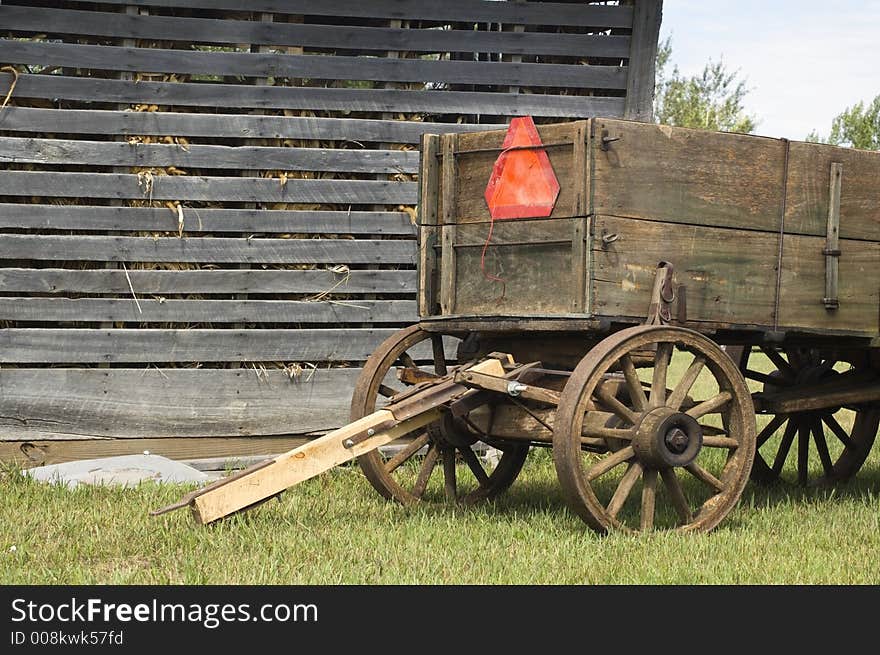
(665,438)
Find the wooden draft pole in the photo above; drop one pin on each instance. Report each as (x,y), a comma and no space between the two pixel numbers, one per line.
(413,409)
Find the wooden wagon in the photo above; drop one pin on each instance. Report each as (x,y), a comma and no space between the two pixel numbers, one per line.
(652,298)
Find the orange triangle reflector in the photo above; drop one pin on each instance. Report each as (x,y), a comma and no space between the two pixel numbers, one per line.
(522,184)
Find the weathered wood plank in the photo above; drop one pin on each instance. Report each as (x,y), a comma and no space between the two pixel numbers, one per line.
(150,402)
(241,96)
(688,176)
(160,310)
(54,448)
(103,153)
(473,170)
(196,62)
(806,208)
(161,219)
(237,126)
(81,346)
(206,250)
(54,280)
(193,187)
(344,37)
(803,286)
(643,49)
(730,275)
(528,13)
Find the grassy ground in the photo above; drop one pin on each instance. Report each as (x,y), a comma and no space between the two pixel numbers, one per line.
(336,530)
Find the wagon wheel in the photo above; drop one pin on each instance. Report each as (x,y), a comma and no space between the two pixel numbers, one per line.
(687,420)
(841,436)
(410,474)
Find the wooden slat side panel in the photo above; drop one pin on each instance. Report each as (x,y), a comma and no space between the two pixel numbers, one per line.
(203,219)
(97,57)
(194,187)
(688,176)
(206,250)
(150,402)
(161,310)
(641,74)
(529,13)
(98,153)
(807,203)
(204,282)
(803,287)
(475,168)
(347,37)
(240,96)
(730,275)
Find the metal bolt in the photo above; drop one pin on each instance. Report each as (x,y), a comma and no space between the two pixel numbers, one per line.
(515,388)
(677,440)
(371,432)
(348,443)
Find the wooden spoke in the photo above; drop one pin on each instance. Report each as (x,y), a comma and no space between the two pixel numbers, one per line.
(607,398)
(439,354)
(803,452)
(822,448)
(449,484)
(474,465)
(703,475)
(770,429)
(407,360)
(603,466)
(713,431)
(649,497)
(784,447)
(387,391)
(406,452)
(658,381)
(757,376)
(720,442)
(624,488)
(428,465)
(781,363)
(676,495)
(594,442)
(686,383)
(710,406)
(607,433)
(838,431)
(633,383)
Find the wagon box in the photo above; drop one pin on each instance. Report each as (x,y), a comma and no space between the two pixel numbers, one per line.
(747,221)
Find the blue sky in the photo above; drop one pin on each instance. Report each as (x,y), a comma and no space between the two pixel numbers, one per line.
(804,62)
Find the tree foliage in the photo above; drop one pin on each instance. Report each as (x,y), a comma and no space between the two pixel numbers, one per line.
(857,126)
(711,100)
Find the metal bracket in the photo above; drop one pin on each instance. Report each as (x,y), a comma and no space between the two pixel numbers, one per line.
(662,296)
(605,140)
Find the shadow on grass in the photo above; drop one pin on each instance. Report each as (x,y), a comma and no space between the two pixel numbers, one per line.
(865,484)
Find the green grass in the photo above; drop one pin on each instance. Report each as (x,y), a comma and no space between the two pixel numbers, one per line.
(336,530)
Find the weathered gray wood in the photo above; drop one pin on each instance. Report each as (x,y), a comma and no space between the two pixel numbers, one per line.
(84,346)
(55,280)
(193,187)
(84,217)
(832,239)
(643,48)
(206,250)
(103,153)
(150,402)
(803,286)
(241,96)
(237,126)
(315,66)
(529,13)
(150,309)
(56,447)
(345,37)
(730,275)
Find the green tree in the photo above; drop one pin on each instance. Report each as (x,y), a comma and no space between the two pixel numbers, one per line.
(857,127)
(711,100)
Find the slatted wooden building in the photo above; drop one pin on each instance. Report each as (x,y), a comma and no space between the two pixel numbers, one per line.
(207,207)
